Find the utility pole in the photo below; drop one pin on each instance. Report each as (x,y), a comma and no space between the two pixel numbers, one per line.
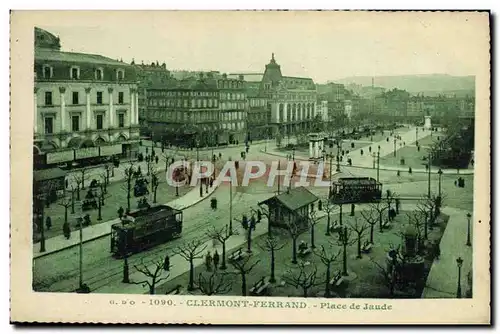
(331,166)
(279,180)
(378,163)
(429,176)
(80,220)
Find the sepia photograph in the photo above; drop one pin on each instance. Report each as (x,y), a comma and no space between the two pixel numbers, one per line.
(251,166)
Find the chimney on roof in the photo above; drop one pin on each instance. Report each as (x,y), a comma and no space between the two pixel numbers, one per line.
(224,76)
(241,77)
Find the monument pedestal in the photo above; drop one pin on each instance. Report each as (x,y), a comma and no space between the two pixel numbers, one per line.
(427,122)
(316,146)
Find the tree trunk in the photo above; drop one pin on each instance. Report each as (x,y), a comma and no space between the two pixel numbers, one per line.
(243,285)
(154,195)
(191,275)
(359,246)
(223,264)
(294,251)
(344,260)
(152,288)
(78,192)
(380,221)
(83,180)
(72,201)
(328,224)
(372,227)
(305,292)
(273,279)
(249,240)
(65,214)
(99,217)
(312,237)
(327,285)
(128,196)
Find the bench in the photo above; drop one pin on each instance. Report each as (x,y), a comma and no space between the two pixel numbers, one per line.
(260,288)
(304,252)
(386,224)
(236,256)
(337,280)
(367,247)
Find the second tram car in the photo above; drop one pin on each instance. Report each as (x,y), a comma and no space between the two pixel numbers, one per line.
(145,228)
(356,190)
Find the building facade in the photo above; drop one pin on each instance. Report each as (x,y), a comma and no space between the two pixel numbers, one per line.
(85,105)
(233,110)
(291,101)
(185,113)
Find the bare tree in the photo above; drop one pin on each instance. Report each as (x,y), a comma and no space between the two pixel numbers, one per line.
(153,276)
(221,235)
(370,217)
(83,176)
(328,207)
(100,200)
(109,169)
(263,212)
(313,220)
(129,175)
(344,241)
(249,226)
(244,267)
(294,231)
(327,257)
(304,277)
(213,283)
(379,208)
(272,244)
(359,229)
(155,182)
(104,182)
(78,180)
(65,202)
(190,251)
(389,199)
(388,275)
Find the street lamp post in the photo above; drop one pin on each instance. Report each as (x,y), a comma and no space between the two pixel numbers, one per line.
(199,167)
(125,257)
(394,145)
(468,229)
(293,153)
(429,176)
(378,164)
(460,261)
(80,221)
(338,154)
(440,173)
(416,135)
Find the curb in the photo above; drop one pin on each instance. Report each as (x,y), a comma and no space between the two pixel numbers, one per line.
(107,234)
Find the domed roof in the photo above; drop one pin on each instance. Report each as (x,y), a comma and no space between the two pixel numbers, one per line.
(46,40)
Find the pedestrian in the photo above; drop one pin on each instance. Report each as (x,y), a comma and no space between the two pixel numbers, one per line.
(220,155)
(66,230)
(437,250)
(216,259)
(48,223)
(67,183)
(120,212)
(409,170)
(211,182)
(208,261)
(156,159)
(166,263)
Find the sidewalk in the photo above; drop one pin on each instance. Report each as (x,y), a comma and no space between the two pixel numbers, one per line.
(443,276)
(97,231)
(366,160)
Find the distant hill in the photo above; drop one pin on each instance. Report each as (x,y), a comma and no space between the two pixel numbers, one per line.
(431,84)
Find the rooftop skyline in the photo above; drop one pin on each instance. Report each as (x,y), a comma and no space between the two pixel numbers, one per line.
(321,45)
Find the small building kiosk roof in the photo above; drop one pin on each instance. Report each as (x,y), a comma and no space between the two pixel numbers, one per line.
(294,199)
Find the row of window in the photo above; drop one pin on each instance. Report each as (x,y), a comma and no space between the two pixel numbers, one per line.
(233,126)
(229,84)
(180,116)
(232,116)
(177,94)
(75,123)
(74,73)
(76,98)
(232,96)
(198,103)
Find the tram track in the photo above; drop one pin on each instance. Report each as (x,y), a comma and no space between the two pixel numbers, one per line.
(107,274)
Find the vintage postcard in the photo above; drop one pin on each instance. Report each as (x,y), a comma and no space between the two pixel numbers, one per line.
(250,167)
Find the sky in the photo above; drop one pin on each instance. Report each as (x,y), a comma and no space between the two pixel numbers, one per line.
(322,45)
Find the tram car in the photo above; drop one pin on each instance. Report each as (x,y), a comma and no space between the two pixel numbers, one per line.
(356,190)
(143,229)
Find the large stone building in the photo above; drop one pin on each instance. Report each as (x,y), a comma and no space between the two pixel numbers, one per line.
(85,105)
(233,110)
(291,101)
(185,112)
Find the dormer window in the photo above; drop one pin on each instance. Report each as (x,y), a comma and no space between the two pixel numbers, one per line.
(120,74)
(74,72)
(99,74)
(47,71)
